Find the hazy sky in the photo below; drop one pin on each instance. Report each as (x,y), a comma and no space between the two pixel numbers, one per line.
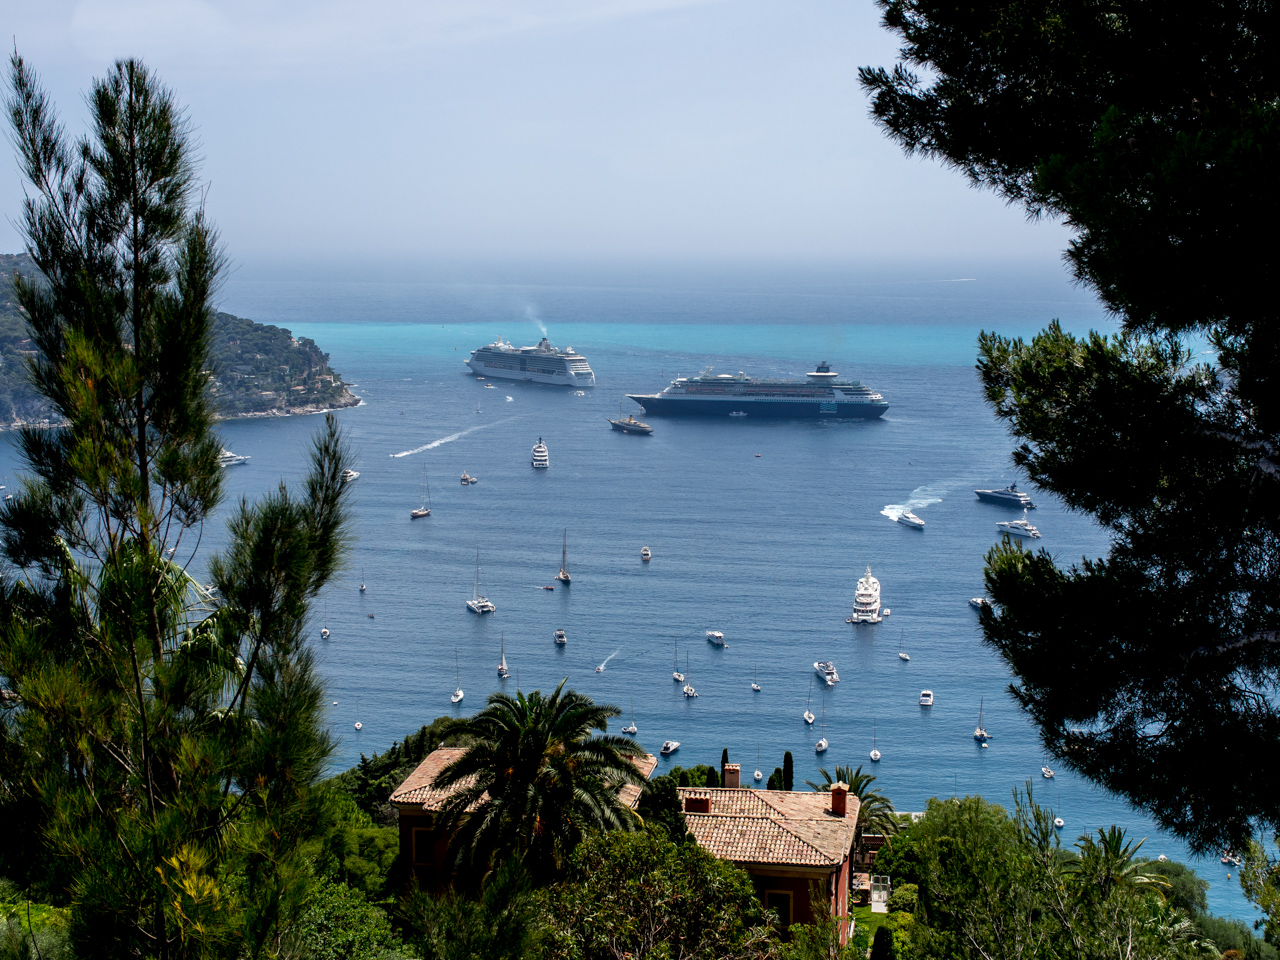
(418,130)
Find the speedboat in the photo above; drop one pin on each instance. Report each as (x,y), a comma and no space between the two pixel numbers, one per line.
(866,600)
(716,638)
(645,554)
(349,475)
(669,747)
(1010,496)
(979,602)
(560,637)
(909,519)
(600,669)
(738,413)
(926,698)
(826,669)
(1019,528)
(1046,773)
(540,458)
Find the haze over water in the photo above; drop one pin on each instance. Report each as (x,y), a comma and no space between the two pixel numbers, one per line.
(765,548)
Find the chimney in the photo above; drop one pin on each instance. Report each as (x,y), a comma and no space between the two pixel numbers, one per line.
(697,804)
(839,799)
(732,776)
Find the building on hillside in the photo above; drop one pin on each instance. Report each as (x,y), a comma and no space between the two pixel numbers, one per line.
(422,845)
(787,840)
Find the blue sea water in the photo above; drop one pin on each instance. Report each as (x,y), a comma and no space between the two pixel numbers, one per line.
(758,529)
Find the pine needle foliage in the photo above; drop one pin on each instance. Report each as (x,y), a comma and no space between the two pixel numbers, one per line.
(162,739)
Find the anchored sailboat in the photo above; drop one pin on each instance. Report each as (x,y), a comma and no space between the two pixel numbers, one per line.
(821,745)
(875,754)
(808,714)
(477,603)
(425,509)
(563,575)
(503,672)
(456,696)
(980,732)
(687,689)
(676,675)
(632,730)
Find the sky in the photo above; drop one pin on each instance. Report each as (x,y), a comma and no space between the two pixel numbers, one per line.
(413,131)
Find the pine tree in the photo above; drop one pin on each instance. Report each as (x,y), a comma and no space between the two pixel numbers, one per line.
(169,733)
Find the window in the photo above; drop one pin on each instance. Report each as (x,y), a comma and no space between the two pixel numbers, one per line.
(780,903)
(424,848)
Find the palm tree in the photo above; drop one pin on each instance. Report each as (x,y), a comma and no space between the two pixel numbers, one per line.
(875,811)
(1110,862)
(534,780)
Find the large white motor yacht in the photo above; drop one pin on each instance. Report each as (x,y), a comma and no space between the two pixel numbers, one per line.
(866,600)
(826,669)
(350,475)
(225,459)
(1019,528)
(540,458)
(909,519)
(669,747)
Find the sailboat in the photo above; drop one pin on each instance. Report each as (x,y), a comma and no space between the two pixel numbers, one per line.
(425,509)
(563,575)
(902,653)
(687,689)
(980,732)
(456,696)
(477,603)
(808,714)
(821,745)
(758,775)
(676,675)
(503,672)
(754,686)
(324,630)
(362,579)
(875,754)
(632,730)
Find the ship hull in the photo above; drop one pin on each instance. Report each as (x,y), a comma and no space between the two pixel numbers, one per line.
(684,406)
(987,497)
(528,370)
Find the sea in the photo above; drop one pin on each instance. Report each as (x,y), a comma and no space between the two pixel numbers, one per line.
(758,529)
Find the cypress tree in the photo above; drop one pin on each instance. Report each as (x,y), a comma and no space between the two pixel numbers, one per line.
(788,771)
(170,734)
(724,761)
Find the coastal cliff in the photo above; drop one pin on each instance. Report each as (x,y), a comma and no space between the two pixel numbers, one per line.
(259,370)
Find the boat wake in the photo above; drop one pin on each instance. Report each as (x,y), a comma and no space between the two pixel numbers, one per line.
(449,439)
(921,497)
(600,669)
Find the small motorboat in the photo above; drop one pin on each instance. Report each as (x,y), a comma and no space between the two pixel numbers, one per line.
(716,638)
(926,698)
(909,519)
(548,588)
(371,616)
(979,602)
(1046,773)
(737,413)
(350,475)
(489,386)
(645,555)
(600,669)
(560,637)
(669,747)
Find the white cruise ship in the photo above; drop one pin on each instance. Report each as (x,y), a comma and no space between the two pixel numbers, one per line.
(866,600)
(541,364)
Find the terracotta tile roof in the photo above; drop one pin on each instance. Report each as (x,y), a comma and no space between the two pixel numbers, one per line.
(772,826)
(418,791)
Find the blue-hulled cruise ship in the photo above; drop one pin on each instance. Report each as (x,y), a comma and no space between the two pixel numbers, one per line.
(821,394)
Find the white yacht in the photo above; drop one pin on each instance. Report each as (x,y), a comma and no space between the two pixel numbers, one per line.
(866,600)
(539,364)
(225,459)
(716,638)
(1019,528)
(540,459)
(926,698)
(560,637)
(466,479)
(826,669)
(645,554)
(979,602)
(350,475)
(477,603)
(909,519)
(669,747)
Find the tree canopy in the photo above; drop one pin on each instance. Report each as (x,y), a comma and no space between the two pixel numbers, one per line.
(1155,137)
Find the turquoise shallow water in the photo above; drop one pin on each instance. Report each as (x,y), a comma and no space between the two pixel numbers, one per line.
(764,548)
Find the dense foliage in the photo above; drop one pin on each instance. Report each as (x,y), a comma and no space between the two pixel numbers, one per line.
(1155,137)
(259,368)
(160,741)
(970,880)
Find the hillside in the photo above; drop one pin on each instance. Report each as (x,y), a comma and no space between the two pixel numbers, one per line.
(260,370)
